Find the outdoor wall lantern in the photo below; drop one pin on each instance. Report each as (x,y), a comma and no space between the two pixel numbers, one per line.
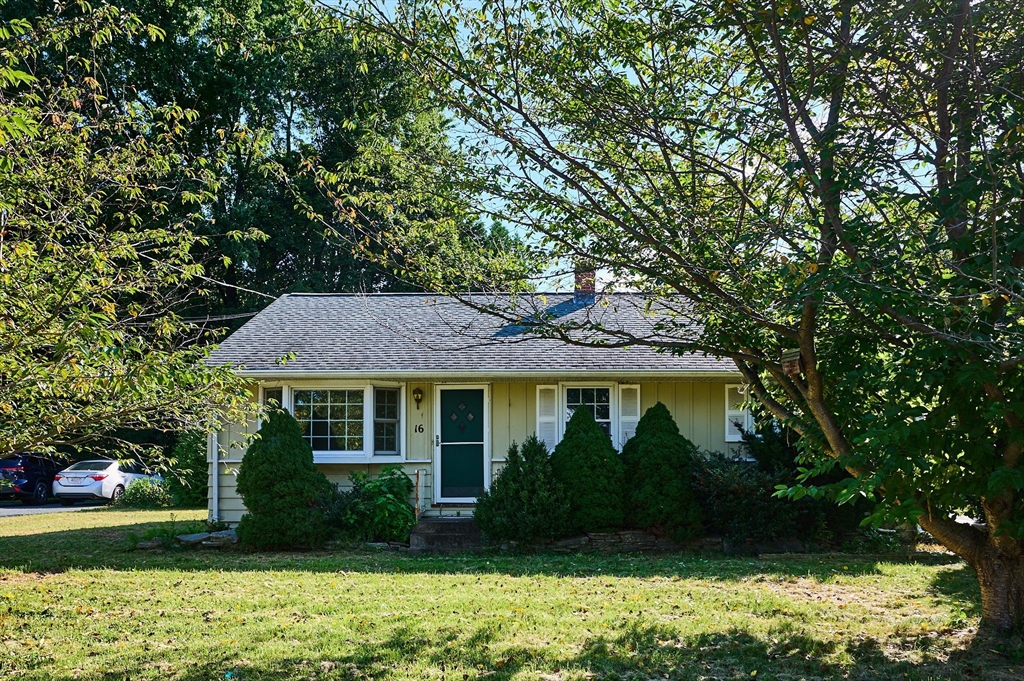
(417,395)
(792,365)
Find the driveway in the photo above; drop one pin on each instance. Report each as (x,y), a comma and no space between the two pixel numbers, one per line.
(13,508)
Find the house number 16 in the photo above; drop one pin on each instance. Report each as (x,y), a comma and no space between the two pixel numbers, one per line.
(418,428)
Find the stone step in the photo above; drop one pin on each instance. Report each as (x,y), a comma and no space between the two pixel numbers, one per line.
(446,526)
(445,535)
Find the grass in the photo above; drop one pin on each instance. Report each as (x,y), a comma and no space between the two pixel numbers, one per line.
(77,603)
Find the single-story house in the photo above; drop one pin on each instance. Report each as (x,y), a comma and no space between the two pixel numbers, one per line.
(443,389)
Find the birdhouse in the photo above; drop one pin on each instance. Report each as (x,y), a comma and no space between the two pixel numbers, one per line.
(792,365)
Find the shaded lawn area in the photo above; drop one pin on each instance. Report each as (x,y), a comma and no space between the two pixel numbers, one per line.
(77,603)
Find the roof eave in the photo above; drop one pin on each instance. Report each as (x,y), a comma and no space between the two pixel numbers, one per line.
(540,374)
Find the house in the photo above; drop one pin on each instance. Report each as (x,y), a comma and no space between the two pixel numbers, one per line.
(441,388)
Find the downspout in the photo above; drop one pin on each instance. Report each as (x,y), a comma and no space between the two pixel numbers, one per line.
(215,512)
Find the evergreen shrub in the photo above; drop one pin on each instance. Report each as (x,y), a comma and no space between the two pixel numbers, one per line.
(374,509)
(283,491)
(188,481)
(658,463)
(525,502)
(590,470)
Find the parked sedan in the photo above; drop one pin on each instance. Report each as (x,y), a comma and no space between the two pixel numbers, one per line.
(95,479)
(27,477)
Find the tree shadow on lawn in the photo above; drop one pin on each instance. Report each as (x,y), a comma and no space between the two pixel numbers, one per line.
(111,548)
(637,650)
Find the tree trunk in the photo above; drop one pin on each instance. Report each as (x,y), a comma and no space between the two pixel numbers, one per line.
(1001,576)
(998,560)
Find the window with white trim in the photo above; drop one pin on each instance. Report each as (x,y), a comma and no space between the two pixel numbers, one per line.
(330,420)
(597,400)
(738,418)
(386,407)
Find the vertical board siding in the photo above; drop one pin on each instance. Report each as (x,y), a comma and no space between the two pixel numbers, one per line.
(697,407)
(501,427)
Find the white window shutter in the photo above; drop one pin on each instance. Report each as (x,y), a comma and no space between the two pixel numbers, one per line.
(737,415)
(547,415)
(629,412)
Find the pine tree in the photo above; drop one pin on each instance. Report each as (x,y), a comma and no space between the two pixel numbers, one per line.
(590,470)
(526,502)
(657,462)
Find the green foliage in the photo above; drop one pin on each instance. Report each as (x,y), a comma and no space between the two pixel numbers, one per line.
(98,210)
(375,509)
(740,502)
(525,502)
(146,493)
(657,463)
(590,471)
(187,478)
(282,489)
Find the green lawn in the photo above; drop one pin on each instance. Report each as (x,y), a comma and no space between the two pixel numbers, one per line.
(76,603)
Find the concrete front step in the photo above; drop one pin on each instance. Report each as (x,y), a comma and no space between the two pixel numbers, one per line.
(445,535)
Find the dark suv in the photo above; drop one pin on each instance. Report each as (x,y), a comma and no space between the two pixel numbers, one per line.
(27,477)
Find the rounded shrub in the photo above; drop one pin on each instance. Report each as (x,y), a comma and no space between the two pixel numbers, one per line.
(525,503)
(187,482)
(590,471)
(146,493)
(658,464)
(282,489)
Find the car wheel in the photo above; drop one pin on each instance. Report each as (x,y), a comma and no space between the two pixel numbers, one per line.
(117,494)
(38,497)
(67,502)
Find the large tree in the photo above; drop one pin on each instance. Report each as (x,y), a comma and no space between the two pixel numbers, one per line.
(275,85)
(842,179)
(98,212)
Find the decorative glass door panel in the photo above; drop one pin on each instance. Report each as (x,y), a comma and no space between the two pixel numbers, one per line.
(462,443)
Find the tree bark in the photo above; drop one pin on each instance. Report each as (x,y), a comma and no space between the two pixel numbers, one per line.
(1001,576)
(998,561)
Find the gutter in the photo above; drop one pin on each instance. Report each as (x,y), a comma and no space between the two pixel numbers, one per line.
(511,374)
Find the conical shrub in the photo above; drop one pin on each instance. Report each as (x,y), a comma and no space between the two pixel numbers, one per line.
(590,471)
(282,489)
(525,502)
(658,463)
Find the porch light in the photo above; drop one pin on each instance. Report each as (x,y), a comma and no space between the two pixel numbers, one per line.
(792,365)
(417,395)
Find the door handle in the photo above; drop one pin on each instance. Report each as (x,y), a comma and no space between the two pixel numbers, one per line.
(437,440)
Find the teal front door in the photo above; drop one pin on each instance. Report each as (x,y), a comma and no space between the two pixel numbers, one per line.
(461,441)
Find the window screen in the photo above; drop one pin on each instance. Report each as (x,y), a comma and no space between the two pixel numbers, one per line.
(385,420)
(331,420)
(597,400)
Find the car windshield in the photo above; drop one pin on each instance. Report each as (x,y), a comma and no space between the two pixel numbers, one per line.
(90,466)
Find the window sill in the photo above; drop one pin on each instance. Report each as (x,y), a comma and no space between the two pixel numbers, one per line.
(336,457)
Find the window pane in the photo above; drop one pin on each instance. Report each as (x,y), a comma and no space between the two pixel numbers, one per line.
(604,412)
(273,396)
(331,420)
(601,395)
(572,395)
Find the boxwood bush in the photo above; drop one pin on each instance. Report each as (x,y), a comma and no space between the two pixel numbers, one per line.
(590,470)
(658,464)
(283,491)
(525,502)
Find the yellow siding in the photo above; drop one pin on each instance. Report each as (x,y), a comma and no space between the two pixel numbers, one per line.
(698,408)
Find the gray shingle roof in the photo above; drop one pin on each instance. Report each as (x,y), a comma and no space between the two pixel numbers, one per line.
(423,334)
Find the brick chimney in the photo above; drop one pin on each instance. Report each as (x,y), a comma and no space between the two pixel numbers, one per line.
(586,281)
